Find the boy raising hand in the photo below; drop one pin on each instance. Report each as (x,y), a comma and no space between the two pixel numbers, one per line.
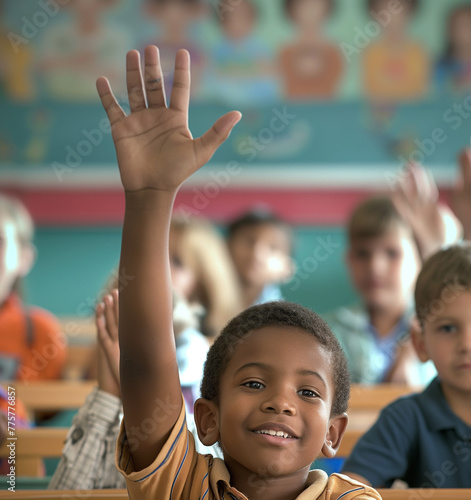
(276,385)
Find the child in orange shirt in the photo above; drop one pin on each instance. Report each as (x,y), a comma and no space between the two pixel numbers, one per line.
(32,346)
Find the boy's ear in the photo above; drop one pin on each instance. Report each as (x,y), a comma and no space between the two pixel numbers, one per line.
(27,259)
(333,438)
(207,421)
(418,340)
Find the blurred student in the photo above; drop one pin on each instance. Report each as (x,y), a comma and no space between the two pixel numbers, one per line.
(312,66)
(174,20)
(76,45)
(388,236)
(203,272)
(423,439)
(453,70)
(242,69)
(395,66)
(88,457)
(260,244)
(32,346)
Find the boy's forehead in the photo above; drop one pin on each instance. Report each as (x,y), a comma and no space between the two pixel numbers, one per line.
(396,234)
(281,346)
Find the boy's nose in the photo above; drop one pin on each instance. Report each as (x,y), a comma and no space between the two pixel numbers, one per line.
(279,403)
(465,340)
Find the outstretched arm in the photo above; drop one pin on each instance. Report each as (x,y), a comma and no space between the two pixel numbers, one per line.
(461,196)
(433,223)
(156,153)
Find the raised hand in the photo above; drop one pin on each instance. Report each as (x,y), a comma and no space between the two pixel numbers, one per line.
(416,199)
(155,148)
(106,321)
(461,195)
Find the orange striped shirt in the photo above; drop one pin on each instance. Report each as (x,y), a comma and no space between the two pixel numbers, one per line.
(180,473)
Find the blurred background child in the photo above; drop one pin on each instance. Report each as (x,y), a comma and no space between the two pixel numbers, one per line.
(312,66)
(453,70)
(261,245)
(242,62)
(32,346)
(203,273)
(388,236)
(395,66)
(174,20)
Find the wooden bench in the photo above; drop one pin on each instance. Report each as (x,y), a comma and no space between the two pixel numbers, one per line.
(54,395)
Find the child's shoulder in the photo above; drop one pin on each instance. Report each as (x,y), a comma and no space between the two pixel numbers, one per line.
(339,485)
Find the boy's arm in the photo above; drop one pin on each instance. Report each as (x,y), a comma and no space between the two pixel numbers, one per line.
(461,196)
(156,153)
(433,223)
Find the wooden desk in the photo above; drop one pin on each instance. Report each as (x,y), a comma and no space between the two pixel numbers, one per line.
(53,395)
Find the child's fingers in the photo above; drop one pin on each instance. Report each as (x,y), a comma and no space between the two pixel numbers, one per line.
(180,97)
(207,144)
(111,323)
(134,81)
(426,189)
(109,102)
(153,78)
(115,295)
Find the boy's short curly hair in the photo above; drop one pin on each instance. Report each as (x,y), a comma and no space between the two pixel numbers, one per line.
(277,313)
(444,276)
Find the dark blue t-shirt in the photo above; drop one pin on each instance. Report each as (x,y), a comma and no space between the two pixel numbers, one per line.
(417,439)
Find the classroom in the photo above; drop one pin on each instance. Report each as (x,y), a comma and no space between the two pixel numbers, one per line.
(336,182)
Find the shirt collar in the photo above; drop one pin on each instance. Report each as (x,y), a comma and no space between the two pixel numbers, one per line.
(437,412)
(220,482)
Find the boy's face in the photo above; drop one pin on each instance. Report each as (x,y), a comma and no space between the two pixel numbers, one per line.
(384,268)
(278,380)
(446,340)
(261,254)
(10,256)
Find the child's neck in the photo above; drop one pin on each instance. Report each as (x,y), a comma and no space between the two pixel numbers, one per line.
(384,320)
(459,402)
(255,487)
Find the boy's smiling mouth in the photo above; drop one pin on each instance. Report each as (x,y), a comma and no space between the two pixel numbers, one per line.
(275,430)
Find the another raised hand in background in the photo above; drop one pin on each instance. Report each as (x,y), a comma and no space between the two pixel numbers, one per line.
(433,223)
(106,320)
(461,195)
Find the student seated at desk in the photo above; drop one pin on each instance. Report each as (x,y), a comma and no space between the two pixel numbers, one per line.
(32,346)
(388,236)
(424,439)
(260,244)
(276,382)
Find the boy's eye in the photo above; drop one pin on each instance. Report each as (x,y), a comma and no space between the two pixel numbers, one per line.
(392,254)
(307,393)
(253,384)
(447,328)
